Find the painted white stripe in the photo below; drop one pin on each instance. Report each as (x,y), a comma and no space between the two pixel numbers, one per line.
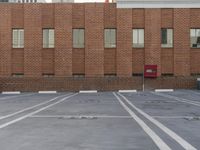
(79,116)
(28,108)
(164,90)
(89,91)
(176,117)
(172,134)
(11,92)
(157,140)
(178,99)
(9,97)
(35,112)
(47,92)
(127,91)
(193,92)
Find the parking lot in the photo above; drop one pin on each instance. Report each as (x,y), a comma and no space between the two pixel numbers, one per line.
(100,121)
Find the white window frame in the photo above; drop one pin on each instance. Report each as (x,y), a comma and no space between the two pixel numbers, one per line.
(137,40)
(80,42)
(48,42)
(170,40)
(19,39)
(110,43)
(196,32)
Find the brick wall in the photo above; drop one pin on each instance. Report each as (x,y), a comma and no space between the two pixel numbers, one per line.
(182,42)
(63,39)
(95,83)
(5,40)
(138,22)
(124,42)
(94,61)
(33,40)
(94,39)
(194,53)
(78,61)
(152,38)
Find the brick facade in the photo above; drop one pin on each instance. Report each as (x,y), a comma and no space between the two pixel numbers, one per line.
(99,67)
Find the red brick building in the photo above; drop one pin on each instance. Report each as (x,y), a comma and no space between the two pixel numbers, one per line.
(61,67)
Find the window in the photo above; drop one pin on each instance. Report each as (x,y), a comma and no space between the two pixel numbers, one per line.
(110,38)
(195,38)
(18,38)
(48,38)
(78,38)
(167,38)
(138,38)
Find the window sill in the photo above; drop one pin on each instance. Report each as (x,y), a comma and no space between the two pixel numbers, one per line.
(167,47)
(138,47)
(78,47)
(17,47)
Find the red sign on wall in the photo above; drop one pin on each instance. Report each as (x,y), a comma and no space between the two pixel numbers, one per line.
(150,71)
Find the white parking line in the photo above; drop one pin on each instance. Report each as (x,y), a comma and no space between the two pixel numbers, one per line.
(79,116)
(28,108)
(183,100)
(157,140)
(192,91)
(172,134)
(47,92)
(164,90)
(8,97)
(127,91)
(177,117)
(35,112)
(89,91)
(11,92)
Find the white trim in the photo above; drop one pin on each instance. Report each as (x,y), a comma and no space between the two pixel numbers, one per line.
(89,91)
(47,92)
(11,92)
(164,90)
(158,4)
(127,91)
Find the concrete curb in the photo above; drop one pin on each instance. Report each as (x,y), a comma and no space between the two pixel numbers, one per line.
(89,91)
(127,91)
(164,90)
(47,92)
(11,92)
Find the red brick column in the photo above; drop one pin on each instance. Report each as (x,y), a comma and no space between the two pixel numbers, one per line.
(5,39)
(63,39)
(32,40)
(153,38)
(94,39)
(182,42)
(124,42)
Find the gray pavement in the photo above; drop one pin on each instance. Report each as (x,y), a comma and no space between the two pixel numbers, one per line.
(100,121)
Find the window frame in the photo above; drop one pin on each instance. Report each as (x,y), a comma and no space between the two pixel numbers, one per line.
(105,44)
(43,44)
(18,39)
(191,37)
(172,44)
(78,47)
(134,45)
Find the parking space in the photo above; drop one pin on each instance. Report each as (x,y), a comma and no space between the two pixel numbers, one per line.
(100,121)
(12,103)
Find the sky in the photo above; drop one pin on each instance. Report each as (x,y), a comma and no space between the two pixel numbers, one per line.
(82,1)
(89,1)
